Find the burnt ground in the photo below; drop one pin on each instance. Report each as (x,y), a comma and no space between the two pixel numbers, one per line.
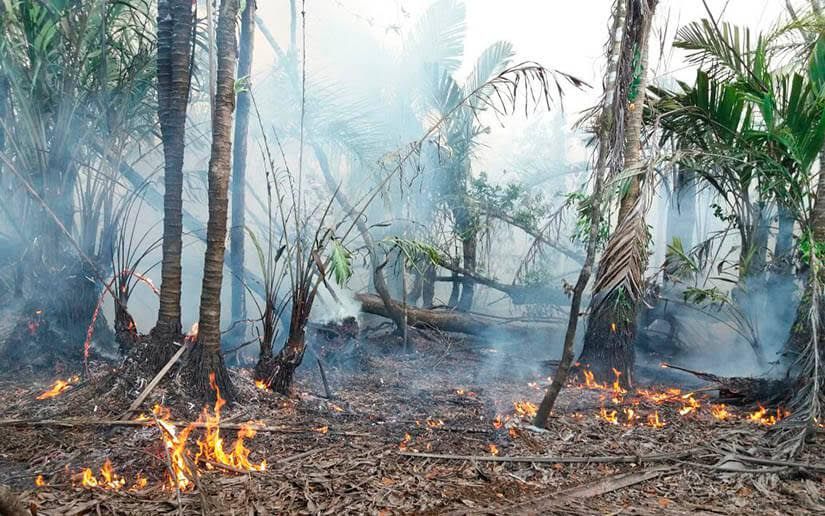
(350,455)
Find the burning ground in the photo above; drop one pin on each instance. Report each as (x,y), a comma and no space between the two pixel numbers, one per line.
(435,431)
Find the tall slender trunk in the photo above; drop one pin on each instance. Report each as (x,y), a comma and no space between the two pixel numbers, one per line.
(681,218)
(236,250)
(611,329)
(468,234)
(376,264)
(175,33)
(207,358)
(604,130)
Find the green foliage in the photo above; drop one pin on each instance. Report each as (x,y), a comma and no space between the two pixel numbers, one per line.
(806,245)
(582,203)
(415,252)
(706,296)
(340,262)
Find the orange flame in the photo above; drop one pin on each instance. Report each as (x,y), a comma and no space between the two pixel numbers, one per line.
(525,408)
(322,430)
(689,404)
(403,444)
(493,449)
(720,412)
(108,479)
(39,482)
(762,417)
(261,385)
(610,417)
(653,420)
(497,423)
(58,387)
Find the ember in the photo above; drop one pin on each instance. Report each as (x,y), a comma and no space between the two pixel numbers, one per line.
(654,421)
(493,449)
(39,482)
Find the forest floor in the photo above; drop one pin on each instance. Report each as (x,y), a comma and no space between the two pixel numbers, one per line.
(365,451)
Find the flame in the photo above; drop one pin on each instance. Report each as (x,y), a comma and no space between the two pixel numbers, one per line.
(630,416)
(434,423)
(322,430)
(497,423)
(108,479)
(193,331)
(58,387)
(211,445)
(525,408)
(653,420)
(689,404)
(403,444)
(610,417)
(493,449)
(39,482)
(762,417)
(720,412)
(613,327)
(590,381)
(261,385)
(513,432)
(211,449)
(618,391)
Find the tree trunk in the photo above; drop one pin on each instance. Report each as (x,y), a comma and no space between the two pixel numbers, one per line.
(207,352)
(469,248)
(681,217)
(175,31)
(605,126)
(236,250)
(376,264)
(452,321)
(611,329)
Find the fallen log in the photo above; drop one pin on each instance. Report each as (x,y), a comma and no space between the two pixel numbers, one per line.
(745,390)
(450,321)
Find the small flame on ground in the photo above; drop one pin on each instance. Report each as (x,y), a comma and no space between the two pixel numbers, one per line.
(403,444)
(689,404)
(653,420)
(525,408)
(39,482)
(497,423)
(493,449)
(720,412)
(261,385)
(322,430)
(762,416)
(108,479)
(58,387)
(434,423)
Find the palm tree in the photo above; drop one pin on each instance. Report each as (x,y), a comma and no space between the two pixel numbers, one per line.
(617,293)
(236,250)
(604,128)
(206,357)
(174,55)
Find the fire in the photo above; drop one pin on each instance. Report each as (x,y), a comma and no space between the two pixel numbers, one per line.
(211,450)
(525,408)
(261,385)
(497,423)
(513,432)
(322,430)
(434,423)
(211,445)
(653,420)
(720,412)
(689,404)
(193,331)
(630,416)
(108,479)
(463,392)
(58,387)
(610,417)
(762,416)
(613,327)
(590,381)
(618,391)
(493,449)
(39,482)
(403,444)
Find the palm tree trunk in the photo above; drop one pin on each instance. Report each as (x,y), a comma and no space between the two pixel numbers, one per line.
(175,33)
(207,359)
(604,130)
(236,250)
(611,329)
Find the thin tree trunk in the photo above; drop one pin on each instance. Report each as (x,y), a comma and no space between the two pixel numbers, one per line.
(175,21)
(236,250)
(207,359)
(611,329)
(376,264)
(560,378)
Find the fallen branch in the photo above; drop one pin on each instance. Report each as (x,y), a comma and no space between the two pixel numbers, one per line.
(156,380)
(539,459)
(67,423)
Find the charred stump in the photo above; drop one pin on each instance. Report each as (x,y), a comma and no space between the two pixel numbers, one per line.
(208,373)
(277,372)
